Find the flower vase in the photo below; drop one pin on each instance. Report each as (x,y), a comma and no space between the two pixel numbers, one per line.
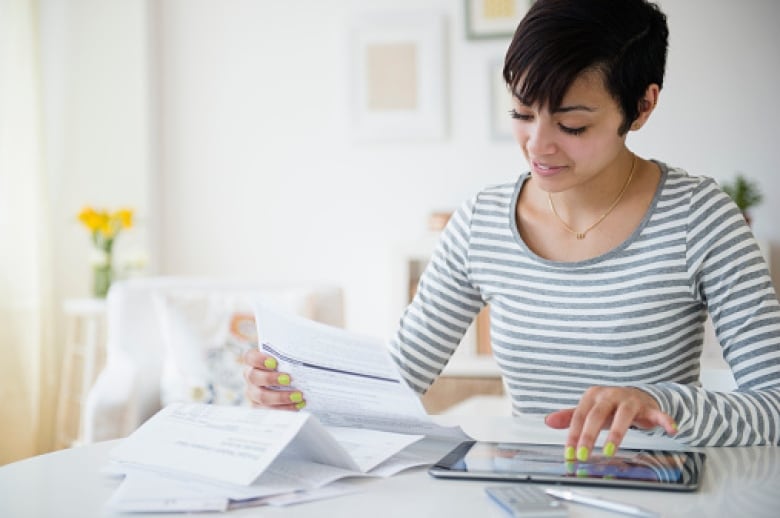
(102,276)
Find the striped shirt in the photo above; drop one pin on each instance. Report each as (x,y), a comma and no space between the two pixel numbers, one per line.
(633,316)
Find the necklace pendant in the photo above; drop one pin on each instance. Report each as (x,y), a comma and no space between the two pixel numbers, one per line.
(581,235)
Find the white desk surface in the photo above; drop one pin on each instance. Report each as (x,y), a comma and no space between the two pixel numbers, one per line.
(737,482)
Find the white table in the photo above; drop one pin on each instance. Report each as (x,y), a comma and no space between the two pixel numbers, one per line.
(737,482)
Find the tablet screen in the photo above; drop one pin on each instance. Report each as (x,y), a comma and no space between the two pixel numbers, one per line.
(657,469)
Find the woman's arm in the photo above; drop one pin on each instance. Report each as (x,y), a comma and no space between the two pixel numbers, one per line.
(442,309)
(730,276)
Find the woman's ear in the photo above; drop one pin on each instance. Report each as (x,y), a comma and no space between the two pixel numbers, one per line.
(646,106)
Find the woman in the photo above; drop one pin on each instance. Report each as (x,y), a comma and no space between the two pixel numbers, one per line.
(600,266)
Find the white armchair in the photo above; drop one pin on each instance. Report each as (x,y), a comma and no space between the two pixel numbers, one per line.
(128,389)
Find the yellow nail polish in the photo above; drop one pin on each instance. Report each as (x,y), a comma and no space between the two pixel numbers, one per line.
(609,449)
(582,454)
(296,397)
(674,426)
(568,453)
(300,405)
(283,379)
(270,363)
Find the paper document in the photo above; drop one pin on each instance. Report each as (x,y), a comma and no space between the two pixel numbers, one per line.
(347,379)
(225,443)
(360,420)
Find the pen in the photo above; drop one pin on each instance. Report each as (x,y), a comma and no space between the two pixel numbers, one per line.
(618,507)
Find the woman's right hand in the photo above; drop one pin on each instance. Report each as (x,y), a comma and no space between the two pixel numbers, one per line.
(260,375)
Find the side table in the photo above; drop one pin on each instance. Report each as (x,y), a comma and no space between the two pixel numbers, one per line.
(85,322)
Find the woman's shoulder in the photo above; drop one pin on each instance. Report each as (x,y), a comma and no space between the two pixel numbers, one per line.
(678,181)
(500,195)
(492,201)
(705,200)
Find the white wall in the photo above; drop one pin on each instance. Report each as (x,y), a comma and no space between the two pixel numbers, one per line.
(254,174)
(95,96)
(259,177)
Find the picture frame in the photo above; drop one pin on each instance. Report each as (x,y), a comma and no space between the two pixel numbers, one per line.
(500,101)
(398,85)
(492,19)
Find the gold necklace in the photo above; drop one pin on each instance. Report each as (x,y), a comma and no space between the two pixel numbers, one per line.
(581,235)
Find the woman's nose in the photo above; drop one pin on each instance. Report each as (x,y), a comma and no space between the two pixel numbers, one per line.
(540,139)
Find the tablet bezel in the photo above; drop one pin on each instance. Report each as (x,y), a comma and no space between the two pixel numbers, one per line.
(444,469)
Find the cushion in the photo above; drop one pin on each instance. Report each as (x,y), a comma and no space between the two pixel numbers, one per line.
(206,334)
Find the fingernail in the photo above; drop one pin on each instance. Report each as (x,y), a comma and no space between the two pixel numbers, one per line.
(300,405)
(568,453)
(582,454)
(674,426)
(283,379)
(609,449)
(270,363)
(296,397)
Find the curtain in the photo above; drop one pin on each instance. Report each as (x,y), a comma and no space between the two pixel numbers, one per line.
(27,359)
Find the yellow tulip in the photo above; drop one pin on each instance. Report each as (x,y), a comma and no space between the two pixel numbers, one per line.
(125,217)
(104,225)
(90,218)
(107,227)
(85,213)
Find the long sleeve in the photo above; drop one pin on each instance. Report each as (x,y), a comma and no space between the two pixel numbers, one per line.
(630,317)
(730,277)
(443,307)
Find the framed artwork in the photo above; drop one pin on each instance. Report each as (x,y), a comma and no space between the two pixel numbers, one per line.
(493,18)
(398,72)
(500,103)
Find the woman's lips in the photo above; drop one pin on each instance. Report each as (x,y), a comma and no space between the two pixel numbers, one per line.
(546,169)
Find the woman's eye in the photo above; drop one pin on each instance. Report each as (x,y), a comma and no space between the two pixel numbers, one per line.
(573,131)
(519,116)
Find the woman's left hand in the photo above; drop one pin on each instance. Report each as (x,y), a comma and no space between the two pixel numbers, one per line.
(612,408)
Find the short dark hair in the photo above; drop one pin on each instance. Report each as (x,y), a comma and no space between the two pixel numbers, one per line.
(557,40)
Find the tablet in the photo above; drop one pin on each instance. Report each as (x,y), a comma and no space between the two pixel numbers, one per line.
(638,469)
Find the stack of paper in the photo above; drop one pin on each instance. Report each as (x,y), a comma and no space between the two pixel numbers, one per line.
(361,421)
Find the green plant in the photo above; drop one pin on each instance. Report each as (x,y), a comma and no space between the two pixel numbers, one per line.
(746,194)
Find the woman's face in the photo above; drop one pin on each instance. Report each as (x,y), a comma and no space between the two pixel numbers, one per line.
(573,145)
